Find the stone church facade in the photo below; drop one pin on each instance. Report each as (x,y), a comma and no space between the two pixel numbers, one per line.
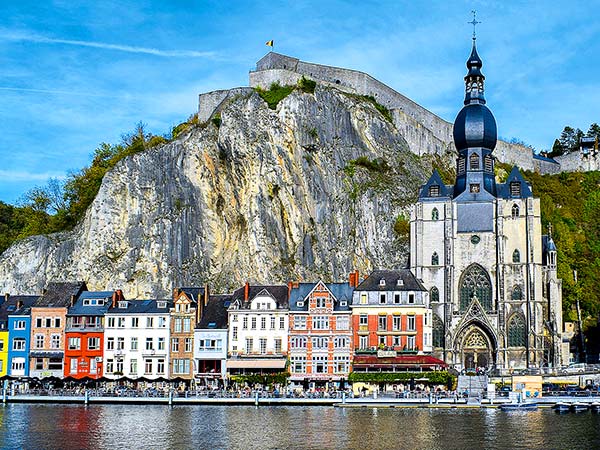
(478,247)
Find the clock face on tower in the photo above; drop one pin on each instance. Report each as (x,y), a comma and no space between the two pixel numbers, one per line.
(475,239)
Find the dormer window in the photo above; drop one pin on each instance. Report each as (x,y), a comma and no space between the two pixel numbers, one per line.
(515,189)
(122,304)
(434,191)
(343,303)
(161,304)
(300,304)
(382,282)
(474,161)
(400,282)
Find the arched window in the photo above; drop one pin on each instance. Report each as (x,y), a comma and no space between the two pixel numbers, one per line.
(435,259)
(517,293)
(474,161)
(437,331)
(475,283)
(434,295)
(435,215)
(516,331)
(516,256)
(515,211)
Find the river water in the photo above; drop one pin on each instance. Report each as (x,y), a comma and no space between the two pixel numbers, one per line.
(40,426)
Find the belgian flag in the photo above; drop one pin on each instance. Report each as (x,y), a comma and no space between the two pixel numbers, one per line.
(269,43)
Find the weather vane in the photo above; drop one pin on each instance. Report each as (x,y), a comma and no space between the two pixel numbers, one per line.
(474,22)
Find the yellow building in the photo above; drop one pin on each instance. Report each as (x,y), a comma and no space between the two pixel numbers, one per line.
(3,352)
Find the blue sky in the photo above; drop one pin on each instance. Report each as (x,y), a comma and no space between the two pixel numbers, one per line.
(75,74)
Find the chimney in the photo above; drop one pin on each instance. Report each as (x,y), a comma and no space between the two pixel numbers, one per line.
(72,300)
(114,300)
(6,297)
(290,286)
(353,279)
(206,295)
(19,304)
(175,293)
(246,291)
(120,295)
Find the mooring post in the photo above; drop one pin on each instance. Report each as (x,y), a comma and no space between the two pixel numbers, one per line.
(85,397)
(3,395)
(170,397)
(343,398)
(256,399)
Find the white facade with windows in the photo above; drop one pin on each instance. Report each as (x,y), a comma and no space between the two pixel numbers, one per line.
(136,340)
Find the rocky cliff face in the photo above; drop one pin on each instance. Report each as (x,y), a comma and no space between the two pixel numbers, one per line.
(310,190)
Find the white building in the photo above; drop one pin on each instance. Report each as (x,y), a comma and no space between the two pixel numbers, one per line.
(258,329)
(136,339)
(210,342)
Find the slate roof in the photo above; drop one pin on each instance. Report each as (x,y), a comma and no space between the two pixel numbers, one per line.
(9,307)
(435,180)
(142,307)
(79,309)
(503,189)
(59,294)
(215,312)
(391,277)
(341,292)
(278,292)
(194,293)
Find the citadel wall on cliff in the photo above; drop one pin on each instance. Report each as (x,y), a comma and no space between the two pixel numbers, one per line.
(424,131)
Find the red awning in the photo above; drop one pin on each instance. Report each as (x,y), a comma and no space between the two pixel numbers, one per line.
(424,361)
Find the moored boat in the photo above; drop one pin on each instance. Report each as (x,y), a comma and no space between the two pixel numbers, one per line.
(595,407)
(579,407)
(519,406)
(561,407)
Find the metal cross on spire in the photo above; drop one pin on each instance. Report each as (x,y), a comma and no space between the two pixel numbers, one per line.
(474,22)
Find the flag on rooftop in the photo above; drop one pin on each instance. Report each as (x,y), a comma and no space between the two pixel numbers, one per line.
(269,43)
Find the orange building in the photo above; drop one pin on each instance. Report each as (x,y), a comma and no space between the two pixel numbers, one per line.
(390,311)
(320,334)
(186,302)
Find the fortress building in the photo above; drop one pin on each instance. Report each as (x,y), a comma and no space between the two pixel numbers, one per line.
(478,247)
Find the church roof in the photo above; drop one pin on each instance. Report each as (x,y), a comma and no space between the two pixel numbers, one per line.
(504,189)
(435,180)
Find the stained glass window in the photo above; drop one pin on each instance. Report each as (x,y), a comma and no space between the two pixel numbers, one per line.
(515,211)
(517,293)
(516,331)
(438,331)
(435,294)
(516,256)
(435,259)
(435,215)
(475,282)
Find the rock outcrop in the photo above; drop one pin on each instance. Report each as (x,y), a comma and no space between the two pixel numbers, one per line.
(310,190)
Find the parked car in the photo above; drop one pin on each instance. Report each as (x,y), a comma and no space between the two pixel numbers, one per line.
(574,368)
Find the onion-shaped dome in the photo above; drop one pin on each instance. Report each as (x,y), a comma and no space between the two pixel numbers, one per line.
(475,126)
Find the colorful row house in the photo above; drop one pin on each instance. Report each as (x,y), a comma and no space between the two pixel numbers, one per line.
(210,341)
(19,334)
(84,333)
(320,336)
(9,305)
(48,317)
(258,330)
(183,322)
(391,319)
(136,339)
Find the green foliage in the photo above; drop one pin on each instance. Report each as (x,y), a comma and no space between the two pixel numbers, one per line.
(184,126)
(216,120)
(306,85)
(375,165)
(440,377)
(402,227)
(378,106)
(275,94)
(265,380)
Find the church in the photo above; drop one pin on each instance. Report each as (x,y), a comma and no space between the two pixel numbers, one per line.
(478,247)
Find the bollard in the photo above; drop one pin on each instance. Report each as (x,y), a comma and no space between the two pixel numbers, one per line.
(343,398)
(170,397)
(85,397)
(430,399)
(256,399)
(3,395)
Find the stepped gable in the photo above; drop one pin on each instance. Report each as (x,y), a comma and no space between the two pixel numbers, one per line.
(214,315)
(59,294)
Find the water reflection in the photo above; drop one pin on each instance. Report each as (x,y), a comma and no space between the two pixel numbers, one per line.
(243,427)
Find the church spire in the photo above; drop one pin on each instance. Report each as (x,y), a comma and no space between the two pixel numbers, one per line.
(474,78)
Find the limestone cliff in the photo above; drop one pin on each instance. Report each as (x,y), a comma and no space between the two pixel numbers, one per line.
(266,196)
